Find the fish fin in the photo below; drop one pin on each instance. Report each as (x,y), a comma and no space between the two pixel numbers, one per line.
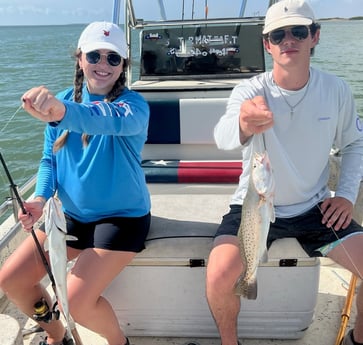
(252,290)
(246,289)
(239,286)
(71,238)
(264,256)
(46,245)
(272,213)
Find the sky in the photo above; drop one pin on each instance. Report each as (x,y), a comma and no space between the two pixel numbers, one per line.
(59,12)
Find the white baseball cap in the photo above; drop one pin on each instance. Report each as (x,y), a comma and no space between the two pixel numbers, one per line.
(103,35)
(287,13)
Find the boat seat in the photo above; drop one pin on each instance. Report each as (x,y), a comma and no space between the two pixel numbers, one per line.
(180,146)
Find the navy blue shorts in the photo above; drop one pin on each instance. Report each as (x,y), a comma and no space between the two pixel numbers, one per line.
(306,228)
(115,233)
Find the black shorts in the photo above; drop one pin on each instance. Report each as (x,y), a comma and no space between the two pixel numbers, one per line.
(115,233)
(306,228)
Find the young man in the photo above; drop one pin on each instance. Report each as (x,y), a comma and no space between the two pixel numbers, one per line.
(301,113)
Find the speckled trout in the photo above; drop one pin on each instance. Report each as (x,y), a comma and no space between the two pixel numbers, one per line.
(257,213)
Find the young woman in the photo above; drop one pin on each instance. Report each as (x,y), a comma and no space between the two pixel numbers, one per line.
(92,160)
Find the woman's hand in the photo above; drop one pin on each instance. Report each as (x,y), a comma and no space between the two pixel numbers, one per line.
(40,103)
(34,210)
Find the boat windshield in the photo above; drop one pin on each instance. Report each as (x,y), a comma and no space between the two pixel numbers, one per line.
(192,42)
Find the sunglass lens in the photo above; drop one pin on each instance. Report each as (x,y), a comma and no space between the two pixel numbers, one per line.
(300,32)
(113,59)
(93,57)
(276,36)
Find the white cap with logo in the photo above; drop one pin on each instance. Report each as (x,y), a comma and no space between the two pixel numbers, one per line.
(103,35)
(287,13)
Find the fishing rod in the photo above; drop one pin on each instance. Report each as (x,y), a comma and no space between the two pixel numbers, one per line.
(14,189)
(345,315)
(41,308)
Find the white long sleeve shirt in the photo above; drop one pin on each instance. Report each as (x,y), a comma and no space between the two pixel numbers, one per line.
(299,144)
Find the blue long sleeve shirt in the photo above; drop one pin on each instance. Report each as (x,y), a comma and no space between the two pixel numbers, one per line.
(105,178)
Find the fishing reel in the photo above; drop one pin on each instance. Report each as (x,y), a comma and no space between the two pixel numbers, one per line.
(42,312)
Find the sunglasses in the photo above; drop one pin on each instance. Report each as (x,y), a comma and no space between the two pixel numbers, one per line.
(299,32)
(94,57)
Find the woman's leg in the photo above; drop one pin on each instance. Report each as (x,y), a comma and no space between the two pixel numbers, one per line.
(92,273)
(20,280)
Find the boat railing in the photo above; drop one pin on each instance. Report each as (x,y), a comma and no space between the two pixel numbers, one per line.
(141,24)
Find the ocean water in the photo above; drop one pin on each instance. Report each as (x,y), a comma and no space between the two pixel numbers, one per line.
(42,55)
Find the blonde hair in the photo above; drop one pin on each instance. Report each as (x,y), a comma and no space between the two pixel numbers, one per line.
(78,80)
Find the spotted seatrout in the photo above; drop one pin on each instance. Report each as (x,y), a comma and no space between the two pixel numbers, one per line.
(257,213)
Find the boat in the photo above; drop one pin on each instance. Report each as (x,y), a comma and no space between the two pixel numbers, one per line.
(187,64)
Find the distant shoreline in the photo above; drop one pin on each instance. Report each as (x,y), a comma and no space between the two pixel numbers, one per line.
(77,24)
(340,19)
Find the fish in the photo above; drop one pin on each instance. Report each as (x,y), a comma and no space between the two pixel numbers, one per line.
(55,244)
(257,214)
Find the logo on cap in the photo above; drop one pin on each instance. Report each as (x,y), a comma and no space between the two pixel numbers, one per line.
(106,33)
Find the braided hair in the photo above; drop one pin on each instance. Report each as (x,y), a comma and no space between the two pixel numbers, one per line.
(78,80)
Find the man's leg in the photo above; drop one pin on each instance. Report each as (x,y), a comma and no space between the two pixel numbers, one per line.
(224,268)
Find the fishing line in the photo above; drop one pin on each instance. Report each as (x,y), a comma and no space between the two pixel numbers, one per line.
(343,246)
(11,119)
(5,126)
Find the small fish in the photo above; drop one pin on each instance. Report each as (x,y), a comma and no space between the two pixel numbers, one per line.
(55,244)
(257,213)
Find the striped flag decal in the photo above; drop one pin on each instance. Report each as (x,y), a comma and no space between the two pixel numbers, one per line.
(176,171)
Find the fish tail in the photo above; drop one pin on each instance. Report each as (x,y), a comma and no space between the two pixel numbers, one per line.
(246,289)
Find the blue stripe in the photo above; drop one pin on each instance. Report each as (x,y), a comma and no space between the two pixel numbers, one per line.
(160,173)
(164,124)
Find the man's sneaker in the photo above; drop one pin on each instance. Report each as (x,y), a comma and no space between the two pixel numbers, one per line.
(347,340)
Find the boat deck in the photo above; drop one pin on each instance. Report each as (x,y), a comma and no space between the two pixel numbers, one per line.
(334,282)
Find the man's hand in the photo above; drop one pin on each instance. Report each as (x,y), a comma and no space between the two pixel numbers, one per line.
(337,212)
(255,117)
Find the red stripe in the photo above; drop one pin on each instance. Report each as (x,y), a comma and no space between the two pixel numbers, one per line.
(209,172)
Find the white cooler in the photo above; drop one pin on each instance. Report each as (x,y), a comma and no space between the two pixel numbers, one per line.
(162,292)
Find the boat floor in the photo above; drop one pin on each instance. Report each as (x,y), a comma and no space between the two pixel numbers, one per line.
(333,286)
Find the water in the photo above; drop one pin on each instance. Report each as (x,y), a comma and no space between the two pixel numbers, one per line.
(29,56)
(42,55)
